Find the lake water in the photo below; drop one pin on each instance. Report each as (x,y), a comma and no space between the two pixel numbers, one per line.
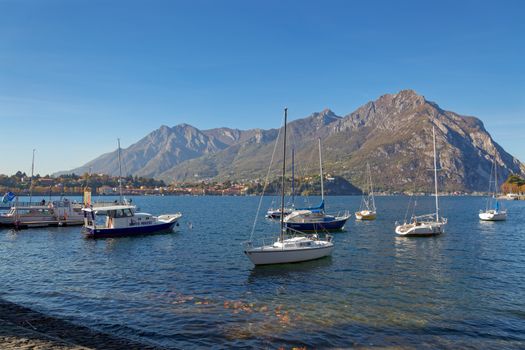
(195,288)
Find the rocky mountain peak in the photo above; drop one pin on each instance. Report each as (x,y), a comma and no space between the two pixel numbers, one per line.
(404,100)
(327,112)
(183,126)
(392,133)
(325,117)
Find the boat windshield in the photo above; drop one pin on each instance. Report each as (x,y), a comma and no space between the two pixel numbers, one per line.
(120,213)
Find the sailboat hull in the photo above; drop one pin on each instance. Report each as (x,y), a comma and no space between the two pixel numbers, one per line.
(420,229)
(269,255)
(365,215)
(493,215)
(335,224)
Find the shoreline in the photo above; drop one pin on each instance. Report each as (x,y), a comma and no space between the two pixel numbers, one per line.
(24,328)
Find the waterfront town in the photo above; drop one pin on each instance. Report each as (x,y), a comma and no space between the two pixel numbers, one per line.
(105,185)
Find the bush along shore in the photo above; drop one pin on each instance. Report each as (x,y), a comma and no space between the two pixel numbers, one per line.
(23,328)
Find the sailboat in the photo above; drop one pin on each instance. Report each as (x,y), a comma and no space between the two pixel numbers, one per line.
(122,219)
(289,249)
(493,212)
(315,219)
(428,224)
(367,211)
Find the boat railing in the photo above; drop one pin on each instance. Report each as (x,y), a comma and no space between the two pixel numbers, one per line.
(342,214)
(23,204)
(107,204)
(259,242)
(291,233)
(430,217)
(424,216)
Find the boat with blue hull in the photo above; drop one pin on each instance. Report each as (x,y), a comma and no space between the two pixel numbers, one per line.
(315,219)
(121,220)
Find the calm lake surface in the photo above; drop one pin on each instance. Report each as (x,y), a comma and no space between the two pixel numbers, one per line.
(195,288)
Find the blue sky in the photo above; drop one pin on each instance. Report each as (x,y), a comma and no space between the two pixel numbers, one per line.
(77,74)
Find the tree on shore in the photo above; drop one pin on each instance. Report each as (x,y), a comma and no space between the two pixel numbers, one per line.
(513,184)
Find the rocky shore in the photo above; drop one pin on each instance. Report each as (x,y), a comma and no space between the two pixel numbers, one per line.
(23,328)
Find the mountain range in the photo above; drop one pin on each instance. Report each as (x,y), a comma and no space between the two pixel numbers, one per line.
(393,134)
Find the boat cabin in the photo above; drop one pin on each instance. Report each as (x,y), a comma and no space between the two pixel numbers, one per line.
(117,216)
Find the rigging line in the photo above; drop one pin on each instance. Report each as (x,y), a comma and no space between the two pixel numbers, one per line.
(414,208)
(408,208)
(265,184)
(490,195)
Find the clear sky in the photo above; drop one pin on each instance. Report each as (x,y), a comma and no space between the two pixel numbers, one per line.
(77,74)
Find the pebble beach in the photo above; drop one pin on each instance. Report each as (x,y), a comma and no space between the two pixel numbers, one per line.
(23,328)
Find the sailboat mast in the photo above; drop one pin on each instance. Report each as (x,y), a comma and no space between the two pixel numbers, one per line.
(119,172)
(293,177)
(489,195)
(281,234)
(321,171)
(495,179)
(371,187)
(31,180)
(435,174)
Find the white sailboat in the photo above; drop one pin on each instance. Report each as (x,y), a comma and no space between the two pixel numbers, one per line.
(493,212)
(428,224)
(367,211)
(288,249)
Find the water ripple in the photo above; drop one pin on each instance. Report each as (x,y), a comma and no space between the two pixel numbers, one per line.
(195,288)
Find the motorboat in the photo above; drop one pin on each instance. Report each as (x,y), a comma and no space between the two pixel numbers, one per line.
(122,220)
(61,212)
(56,213)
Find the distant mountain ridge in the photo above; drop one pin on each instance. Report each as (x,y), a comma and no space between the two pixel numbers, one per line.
(392,133)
